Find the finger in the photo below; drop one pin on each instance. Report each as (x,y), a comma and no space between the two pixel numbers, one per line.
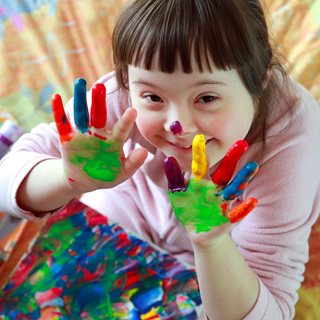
(98,112)
(174,175)
(123,126)
(225,170)
(81,116)
(199,158)
(242,210)
(134,161)
(238,184)
(63,125)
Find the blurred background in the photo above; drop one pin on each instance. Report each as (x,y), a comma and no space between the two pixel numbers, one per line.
(46,44)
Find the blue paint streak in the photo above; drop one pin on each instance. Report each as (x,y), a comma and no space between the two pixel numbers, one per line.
(58,302)
(244,176)
(144,301)
(81,115)
(90,293)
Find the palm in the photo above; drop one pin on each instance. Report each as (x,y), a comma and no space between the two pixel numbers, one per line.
(203,206)
(86,157)
(92,155)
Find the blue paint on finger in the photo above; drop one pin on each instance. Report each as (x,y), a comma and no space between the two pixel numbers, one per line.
(236,187)
(81,115)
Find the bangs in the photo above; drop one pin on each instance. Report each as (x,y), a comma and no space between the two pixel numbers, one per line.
(186,33)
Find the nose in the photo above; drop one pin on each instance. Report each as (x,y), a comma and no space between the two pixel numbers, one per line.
(183,115)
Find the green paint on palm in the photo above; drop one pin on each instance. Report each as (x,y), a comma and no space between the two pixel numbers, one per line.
(100,159)
(198,206)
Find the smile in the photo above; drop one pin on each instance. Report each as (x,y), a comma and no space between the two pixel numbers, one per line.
(188,147)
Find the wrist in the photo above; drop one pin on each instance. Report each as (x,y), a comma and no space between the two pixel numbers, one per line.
(206,240)
(207,245)
(45,189)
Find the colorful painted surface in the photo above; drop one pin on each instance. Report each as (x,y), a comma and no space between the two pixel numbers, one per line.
(82,267)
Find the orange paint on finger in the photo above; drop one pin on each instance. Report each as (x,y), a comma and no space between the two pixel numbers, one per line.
(242,210)
(63,125)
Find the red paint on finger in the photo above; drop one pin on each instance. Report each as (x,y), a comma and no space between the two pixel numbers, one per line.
(63,125)
(242,210)
(100,136)
(98,107)
(225,170)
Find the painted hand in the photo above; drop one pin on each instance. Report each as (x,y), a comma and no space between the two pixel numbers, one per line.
(93,156)
(204,205)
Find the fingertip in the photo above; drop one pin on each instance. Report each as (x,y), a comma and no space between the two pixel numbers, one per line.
(132,112)
(80,81)
(142,153)
(56,101)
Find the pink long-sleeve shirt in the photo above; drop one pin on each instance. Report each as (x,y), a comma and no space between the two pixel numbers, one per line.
(273,239)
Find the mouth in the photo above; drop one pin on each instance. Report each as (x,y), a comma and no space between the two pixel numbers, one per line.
(187,147)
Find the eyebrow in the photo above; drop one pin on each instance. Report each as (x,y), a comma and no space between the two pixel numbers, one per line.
(197,84)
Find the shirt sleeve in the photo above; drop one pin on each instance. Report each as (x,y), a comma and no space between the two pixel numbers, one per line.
(40,144)
(273,239)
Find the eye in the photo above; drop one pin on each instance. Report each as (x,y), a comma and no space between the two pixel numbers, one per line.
(207,99)
(152,98)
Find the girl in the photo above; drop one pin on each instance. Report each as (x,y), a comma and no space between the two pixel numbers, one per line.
(183,68)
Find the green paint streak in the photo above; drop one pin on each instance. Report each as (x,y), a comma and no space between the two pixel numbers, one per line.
(98,158)
(198,206)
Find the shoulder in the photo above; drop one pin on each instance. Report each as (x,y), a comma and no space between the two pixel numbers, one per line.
(288,182)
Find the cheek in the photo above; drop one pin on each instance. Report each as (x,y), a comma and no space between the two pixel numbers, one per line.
(149,124)
(236,128)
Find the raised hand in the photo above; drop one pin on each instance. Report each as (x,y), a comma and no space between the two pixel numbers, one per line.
(204,205)
(92,155)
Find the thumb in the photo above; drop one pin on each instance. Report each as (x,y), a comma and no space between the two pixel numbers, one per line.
(134,161)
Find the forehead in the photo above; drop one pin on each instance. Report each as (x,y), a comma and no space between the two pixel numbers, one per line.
(179,79)
(186,63)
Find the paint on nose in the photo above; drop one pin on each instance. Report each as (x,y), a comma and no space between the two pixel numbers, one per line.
(176,127)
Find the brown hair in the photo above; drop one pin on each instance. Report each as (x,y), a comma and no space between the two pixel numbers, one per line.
(228,33)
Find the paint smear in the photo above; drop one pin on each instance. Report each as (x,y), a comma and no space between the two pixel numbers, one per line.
(198,206)
(83,266)
(100,159)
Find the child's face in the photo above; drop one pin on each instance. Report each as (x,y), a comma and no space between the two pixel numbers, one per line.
(215,104)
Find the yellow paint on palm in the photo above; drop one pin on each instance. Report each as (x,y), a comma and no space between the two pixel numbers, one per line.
(199,159)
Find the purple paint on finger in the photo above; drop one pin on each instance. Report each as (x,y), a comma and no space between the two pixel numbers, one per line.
(174,175)
(176,127)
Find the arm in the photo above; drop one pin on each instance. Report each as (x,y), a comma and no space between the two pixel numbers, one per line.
(229,288)
(44,189)
(255,272)
(59,175)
